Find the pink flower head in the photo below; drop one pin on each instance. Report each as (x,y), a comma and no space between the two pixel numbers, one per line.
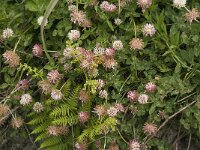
(112,111)
(78,17)
(134,145)
(143,98)
(150,87)
(11,58)
(132,96)
(119,107)
(100,110)
(137,43)
(192,15)
(150,128)
(23,84)
(37,50)
(107,7)
(83,117)
(148,30)
(109,62)
(110,52)
(144,4)
(54,76)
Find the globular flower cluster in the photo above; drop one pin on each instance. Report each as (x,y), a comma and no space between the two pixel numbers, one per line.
(25,99)
(11,58)
(107,7)
(4,110)
(79,17)
(112,111)
(118,45)
(133,95)
(81,146)
(150,128)
(103,94)
(23,84)
(56,94)
(134,145)
(118,21)
(137,44)
(149,30)
(179,3)
(143,98)
(53,76)
(74,35)
(84,96)
(144,4)
(192,15)
(57,130)
(100,110)
(7,33)
(40,19)
(45,86)
(38,107)
(17,122)
(83,117)
(37,50)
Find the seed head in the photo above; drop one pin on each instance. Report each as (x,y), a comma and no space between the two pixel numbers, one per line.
(11,58)
(17,122)
(4,110)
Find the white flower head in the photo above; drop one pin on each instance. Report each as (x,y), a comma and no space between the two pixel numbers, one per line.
(72,7)
(143,98)
(148,30)
(179,3)
(38,107)
(7,33)
(40,19)
(117,45)
(118,21)
(56,94)
(74,35)
(25,99)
